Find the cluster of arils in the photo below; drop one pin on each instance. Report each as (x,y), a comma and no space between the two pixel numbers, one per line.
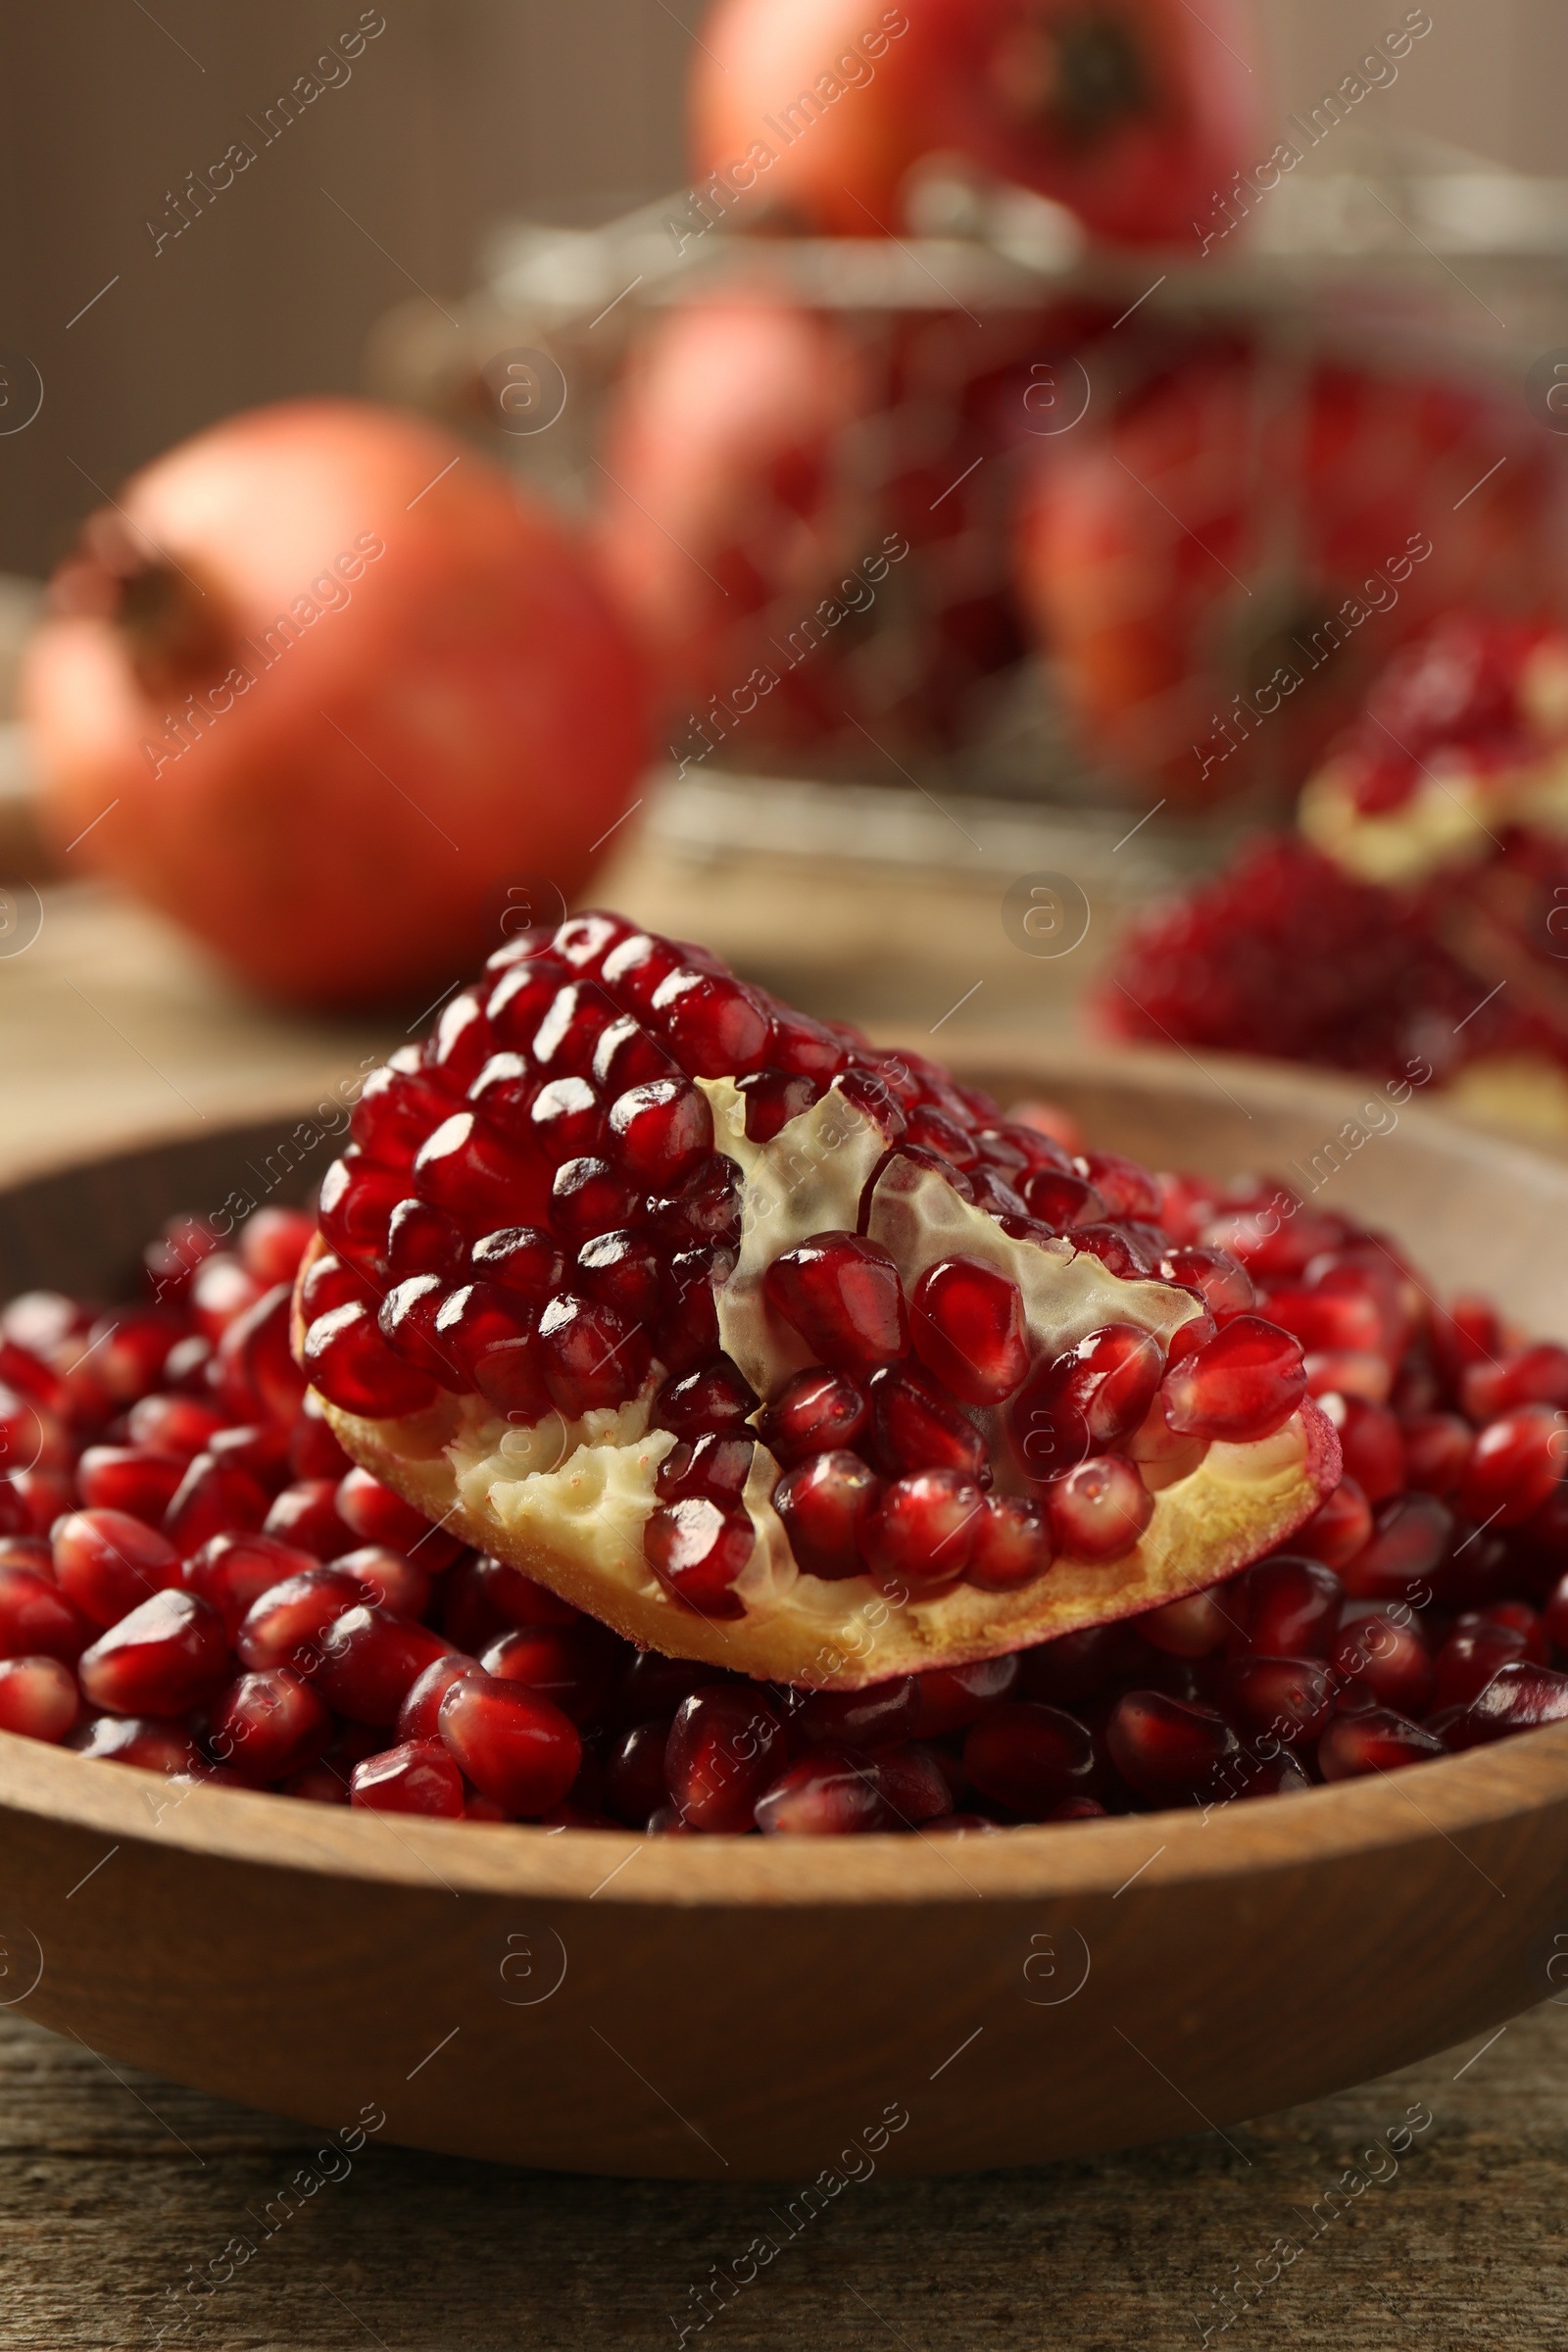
(532,1211)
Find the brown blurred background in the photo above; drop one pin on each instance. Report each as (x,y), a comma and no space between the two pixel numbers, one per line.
(458,114)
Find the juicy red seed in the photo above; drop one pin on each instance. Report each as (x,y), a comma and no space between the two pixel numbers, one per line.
(176,1425)
(1282,1608)
(1097,1393)
(38,1697)
(829,1794)
(567,1119)
(1193,1626)
(421,1240)
(273,1243)
(233,1571)
(1118,1246)
(261,1451)
(357,1198)
(660,1132)
(1339,1529)
(519,1257)
(460,1043)
(1060,1202)
(1373,1447)
(626,1056)
(512,1744)
(917,1427)
(573,1021)
(817,1412)
(1391,1659)
(857,1719)
(697,1552)
(1098,1511)
(589,1197)
(419,1776)
(306,1516)
(1127,1190)
(714,1464)
(653,1685)
(34,1499)
(1519,1696)
(843,1294)
(255,1373)
(1535,1375)
(1288,1698)
(395,1112)
(931,1130)
(1412,1538)
(825,1504)
(590,1356)
(269,1724)
(1468,1660)
(220,1289)
(715,1397)
(913,1784)
(1012,1545)
(623,1270)
(1221,1281)
(1437,1449)
(347,1359)
(705,1212)
(800,1047)
(491,1338)
(922,1530)
(635,967)
(1028,1757)
(583,941)
(378,1515)
(419,1717)
(1165,1748)
(1246,1382)
(1327,1322)
(129,1478)
(947,1698)
(522,997)
(370,1659)
(634,1776)
(143,1740)
(312,1447)
(38,1619)
(167,1657)
(572,1665)
(968,1322)
(1376,1739)
(724,1745)
(327,1282)
(772,1097)
(108,1563)
(714,1025)
(386,1578)
(687,1332)
(284,1625)
(1514,1464)
(175,1255)
(502,1095)
(481,1178)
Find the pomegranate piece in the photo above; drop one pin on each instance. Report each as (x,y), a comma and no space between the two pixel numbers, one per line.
(1243,1385)
(825,1504)
(1028,1757)
(844,1296)
(269,1724)
(38,1698)
(1098,1511)
(1520,1696)
(168,1655)
(1168,1749)
(511,1743)
(346,1357)
(370,1659)
(831,1792)
(1012,1545)
(1088,1400)
(378,1516)
(419,1776)
(921,1533)
(106,1563)
(698,1550)
(724,1746)
(967,1321)
(1373,1739)
(1287,1607)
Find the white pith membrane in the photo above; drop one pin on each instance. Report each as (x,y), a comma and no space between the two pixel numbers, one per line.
(567,1502)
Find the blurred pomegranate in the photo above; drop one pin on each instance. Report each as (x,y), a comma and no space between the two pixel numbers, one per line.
(1131,111)
(323,687)
(1219,565)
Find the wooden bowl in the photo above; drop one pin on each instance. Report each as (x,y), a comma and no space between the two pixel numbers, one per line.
(760,2009)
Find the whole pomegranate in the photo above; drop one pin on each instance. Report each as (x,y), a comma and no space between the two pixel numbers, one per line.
(323,687)
(1130,111)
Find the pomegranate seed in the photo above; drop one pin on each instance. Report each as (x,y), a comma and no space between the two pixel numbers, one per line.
(626,1056)
(1013,1543)
(634,1778)
(914,1789)
(567,1119)
(715,1397)
(182,1426)
(1193,1627)
(232,1572)
(1028,1757)
(1287,1607)
(108,1563)
(714,1023)
(1412,1542)
(347,1359)
(1241,1386)
(503,1096)
(523,1258)
(1436,1449)
(635,967)
(167,1657)
(857,1719)
(416,1778)
(1519,1618)
(969,1330)
(1519,1698)
(419,1717)
(798,1045)
(460,1043)
(1088,1400)
(1098,1511)
(38,1698)
(143,1740)
(714,1464)
(369,1659)
(917,1427)
(490,1336)
(698,1550)
(1328,1322)
(1535,1375)
(706,1212)
(1373,1447)
(653,1685)
(386,1578)
(306,1517)
(1168,1749)
(573,1021)
(572,1665)
(1392,1660)
(1289,1698)
(221,1290)
(395,1112)
(29,1552)
(772,1097)
(923,1532)
(621,1270)
(815,1412)
(313,1450)
(377,1516)
(357,1198)
(947,1698)
(1126,1189)
(421,1240)
(522,997)
(269,1724)
(661,1130)
(688,1329)
(1375,1739)
(480,1177)
(285,1625)
(129,1478)
(318,1784)
(1365,1378)
(844,1296)
(37,1619)
(1060,1202)
(1120,1247)
(483,1597)
(724,1746)
(590,1356)
(1468,1660)
(1339,1529)
(256,1375)
(583,941)
(512,1744)
(214,1498)
(1514,1464)
(589,1197)
(825,1504)
(1219,1280)
(828,1793)
(327,1282)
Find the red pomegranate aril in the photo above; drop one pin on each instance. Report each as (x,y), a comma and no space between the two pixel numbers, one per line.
(621,1270)
(573,1666)
(358,1198)
(914,1789)
(511,1743)
(697,1550)
(724,1746)
(968,1324)
(922,1534)
(625,1055)
(146,1741)
(1060,1202)
(419,1776)
(931,1130)
(1437,1449)
(520,998)
(1328,1322)
(1246,1382)
(588,1196)
(261,1449)
(844,1296)
(635,1787)
(220,1289)
(481,1598)
(395,1112)
(1287,1607)
(1013,1543)
(419,1717)
(1514,1464)
(1098,1511)
(714,1464)
(917,1426)
(480,1177)
(873,1717)
(168,1655)
(713,1397)
(583,941)
(377,1516)
(1287,1699)
(1221,1281)
(654,1686)
(269,1724)
(321,1784)
(421,1240)
(1468,1660)
(1127,1190)
(129,1478)
(1372,1444)
(1389,1658)
(522,1258)
(37,1619)
(285,1625)
(1168,1749)
(182,1426)
(829,1794)
(327,1282)
(1520,1696)
(504,1094)
(705,1214)
(173,1256)
(1535,1375)
(312,1447)
(1339,1529)
(1088,1400)
(1028,1757)
(460,1043)
(1193,1627)
(1122,1249)
(306,1516)
(29,1552)
(1412,1542)
(949,1697)
(347,1359)
(687,1331)
(713,1024)
(825,1504)
(386,1578)
(591,1357)
(369,1660)
(660,1132)
(816,1411)
(1373,1739)
(772,1097)
(572,1023)
(233,1571)
(489,1336)
(1364,1377)
(567,1119)
(38,1698)
(108,1563)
